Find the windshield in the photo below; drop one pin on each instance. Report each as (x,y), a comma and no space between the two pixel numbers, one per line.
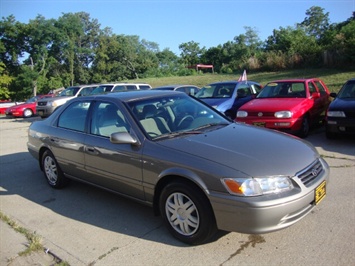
(283,90)
(220,90)
(175,115)
(348,90)
(32,100)
(71,91)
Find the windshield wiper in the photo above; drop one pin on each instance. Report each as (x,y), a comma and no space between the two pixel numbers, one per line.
(210,125)
(195,131)
(178,133)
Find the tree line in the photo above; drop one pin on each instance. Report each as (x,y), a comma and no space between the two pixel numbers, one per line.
(47,54)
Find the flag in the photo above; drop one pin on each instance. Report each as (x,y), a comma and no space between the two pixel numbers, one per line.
(243,77)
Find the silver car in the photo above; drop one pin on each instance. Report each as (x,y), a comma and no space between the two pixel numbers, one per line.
(197,169)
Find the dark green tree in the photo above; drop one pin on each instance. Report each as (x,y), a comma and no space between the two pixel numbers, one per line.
(316,23)
(191,53)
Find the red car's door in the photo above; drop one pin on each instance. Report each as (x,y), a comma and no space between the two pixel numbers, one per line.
(318,104)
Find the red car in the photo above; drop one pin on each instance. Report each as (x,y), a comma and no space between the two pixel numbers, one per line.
(26,109)
(291,105)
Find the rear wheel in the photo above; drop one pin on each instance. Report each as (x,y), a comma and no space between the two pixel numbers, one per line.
(27,113)
(52,171)
(187,213)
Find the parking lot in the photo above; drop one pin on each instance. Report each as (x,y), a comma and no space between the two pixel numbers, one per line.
(83,225)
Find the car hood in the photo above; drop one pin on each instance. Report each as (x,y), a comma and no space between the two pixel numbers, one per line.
(215,101)
(273,104)
(57,98)
(338,104)
(251,150)
(22,105)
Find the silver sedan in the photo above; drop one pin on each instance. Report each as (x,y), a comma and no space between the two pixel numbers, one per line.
(196,168)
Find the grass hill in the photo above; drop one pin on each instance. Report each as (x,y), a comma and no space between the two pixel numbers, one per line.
(333,78)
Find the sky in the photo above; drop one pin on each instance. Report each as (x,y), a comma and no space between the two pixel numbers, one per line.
(170,23)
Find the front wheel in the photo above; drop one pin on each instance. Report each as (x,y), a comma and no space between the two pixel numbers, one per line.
(52,171)
(304,131)
(187,213)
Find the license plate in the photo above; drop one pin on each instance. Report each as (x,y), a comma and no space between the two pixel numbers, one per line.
(320,192)
(40,112)
(259,124)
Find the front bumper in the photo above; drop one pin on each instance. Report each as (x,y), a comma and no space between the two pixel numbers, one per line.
(285,125)
(258,215)
(44,111)
(341,125)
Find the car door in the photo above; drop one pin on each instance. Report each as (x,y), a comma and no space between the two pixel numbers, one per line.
(316,101)
(67,140)
(117,167)
(324,97)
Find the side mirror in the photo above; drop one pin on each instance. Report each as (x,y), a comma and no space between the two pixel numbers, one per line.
(315,95)
(333,94)
(123,138)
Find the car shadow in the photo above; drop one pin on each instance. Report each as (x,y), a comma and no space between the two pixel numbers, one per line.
(84,203)
(340,146)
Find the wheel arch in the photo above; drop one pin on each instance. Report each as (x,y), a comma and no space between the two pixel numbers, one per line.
(40,155)
(185,177)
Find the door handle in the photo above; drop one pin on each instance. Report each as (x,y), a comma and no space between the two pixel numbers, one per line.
(91,150)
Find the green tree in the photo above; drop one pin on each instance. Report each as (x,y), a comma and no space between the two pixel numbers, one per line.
(12,37)
(38,41)
(191,53)
(5,81)
(316,23)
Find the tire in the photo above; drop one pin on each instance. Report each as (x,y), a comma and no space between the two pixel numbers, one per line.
(27,113)
(304,131)
(187,213)
(52,171)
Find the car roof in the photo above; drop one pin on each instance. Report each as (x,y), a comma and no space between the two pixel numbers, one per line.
(234,81)
(127,96)
(122,83)
(294,80)
(174,86)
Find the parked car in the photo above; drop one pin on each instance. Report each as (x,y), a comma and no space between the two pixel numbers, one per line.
(5,104)
(46,107)
(290,105)
(26,109)
(189,89)
(228,96)
(195,167)
(116,87)
(340,118)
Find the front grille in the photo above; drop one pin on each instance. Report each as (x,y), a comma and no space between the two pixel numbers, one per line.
(41,103)
(261,114)
(310,173)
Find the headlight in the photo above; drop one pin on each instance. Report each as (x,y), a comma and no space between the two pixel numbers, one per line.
(336,114)
(283,114)
(242,114)
(53,104)
(257,186)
